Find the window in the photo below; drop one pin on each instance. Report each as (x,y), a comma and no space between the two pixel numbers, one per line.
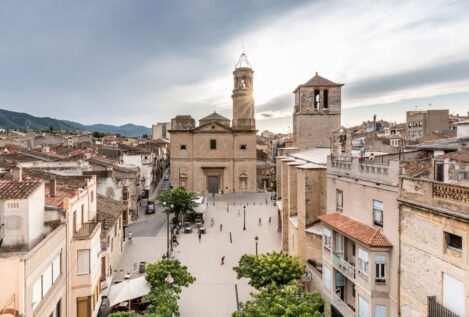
(453,294)
(362,307)
(213,144)
(339,194)
(453,242)
(420,123)
(316,99)
(363,262)
(380,311)
(242,147)
(182,147)
(37,292)
(462,175)
(327,280)
(13,205)
(326,99)
(83,262)
(380,262)
(56,269)
(327,239)
(378,208)
(46,280)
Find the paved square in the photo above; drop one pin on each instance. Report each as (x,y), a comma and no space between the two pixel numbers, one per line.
(213,294)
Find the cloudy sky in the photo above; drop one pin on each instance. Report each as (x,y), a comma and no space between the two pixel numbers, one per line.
(115,61)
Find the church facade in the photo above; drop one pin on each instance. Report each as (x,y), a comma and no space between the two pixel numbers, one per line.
(216,156)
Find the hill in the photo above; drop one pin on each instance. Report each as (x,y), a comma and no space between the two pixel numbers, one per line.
(24,121)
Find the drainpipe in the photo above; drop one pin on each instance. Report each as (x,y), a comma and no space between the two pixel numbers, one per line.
(399,254)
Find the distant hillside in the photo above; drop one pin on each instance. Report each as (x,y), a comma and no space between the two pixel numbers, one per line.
(24,121)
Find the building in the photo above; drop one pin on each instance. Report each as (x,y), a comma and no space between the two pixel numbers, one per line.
(424,123)
(161,131)
(316,113)
(215,156)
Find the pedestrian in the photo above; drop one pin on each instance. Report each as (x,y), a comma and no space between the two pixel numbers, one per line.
(270,220)
(130,236)
(227,209)
(200,236)
(260,222)
(222,260)
(221,227)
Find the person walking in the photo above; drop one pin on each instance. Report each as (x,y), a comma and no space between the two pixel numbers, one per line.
(270,220)
(260,222)
(130,236)
(200,236)
(221,227)
(222,260)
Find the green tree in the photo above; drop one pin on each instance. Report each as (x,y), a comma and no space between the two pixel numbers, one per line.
(285,301)
(158,273)
(178,201)
(162,302)
(276,268)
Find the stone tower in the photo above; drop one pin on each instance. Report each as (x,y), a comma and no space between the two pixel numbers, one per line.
(243,100)
(317,112)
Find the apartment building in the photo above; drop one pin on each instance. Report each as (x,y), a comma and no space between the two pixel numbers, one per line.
(32,253)
(434,239)
(423,123)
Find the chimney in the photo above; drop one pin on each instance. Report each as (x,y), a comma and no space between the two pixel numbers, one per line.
(52,187)
(17,174)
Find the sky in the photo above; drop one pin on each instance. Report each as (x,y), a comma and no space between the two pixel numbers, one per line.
(142,62)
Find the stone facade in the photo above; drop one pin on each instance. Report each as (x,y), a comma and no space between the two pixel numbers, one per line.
(215,157)
(316,113)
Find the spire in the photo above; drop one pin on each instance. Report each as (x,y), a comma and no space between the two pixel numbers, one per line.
(243,62)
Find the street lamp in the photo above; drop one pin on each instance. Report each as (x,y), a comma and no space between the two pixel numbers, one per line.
(257,239)
(244,212)
(171,241)
(167,231)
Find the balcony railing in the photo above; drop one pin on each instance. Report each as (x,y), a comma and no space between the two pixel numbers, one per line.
(451,192)
(435,309)
(86,230)
(342,307)
(343,266)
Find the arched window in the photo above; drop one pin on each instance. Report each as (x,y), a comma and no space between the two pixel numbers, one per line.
(183,180)
(243,181)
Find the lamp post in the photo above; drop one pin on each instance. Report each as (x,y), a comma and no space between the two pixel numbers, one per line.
(244,213)
(167,230)
(256,239)
(171,241)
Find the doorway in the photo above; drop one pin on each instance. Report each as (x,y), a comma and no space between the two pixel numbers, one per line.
(213,184)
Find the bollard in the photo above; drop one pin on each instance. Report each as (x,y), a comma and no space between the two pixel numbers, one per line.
(231,238)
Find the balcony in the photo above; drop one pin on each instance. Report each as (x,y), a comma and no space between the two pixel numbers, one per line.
(452,193)
(342,307)
(86,231)
(343,266)
(435,309)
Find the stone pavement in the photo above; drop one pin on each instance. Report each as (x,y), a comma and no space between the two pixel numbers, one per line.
(213,294)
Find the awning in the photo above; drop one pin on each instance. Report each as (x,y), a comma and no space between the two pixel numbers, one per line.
(128,290)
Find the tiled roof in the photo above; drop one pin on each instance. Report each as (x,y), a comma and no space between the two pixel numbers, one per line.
(58,199)
(109,210)
(214,116)
(356,230)
(17,190)
(318,81)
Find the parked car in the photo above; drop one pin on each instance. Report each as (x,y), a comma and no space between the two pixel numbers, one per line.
(166,178)
(187,227)
(150,207)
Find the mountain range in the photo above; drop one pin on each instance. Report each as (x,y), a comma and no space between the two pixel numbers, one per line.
(24,121)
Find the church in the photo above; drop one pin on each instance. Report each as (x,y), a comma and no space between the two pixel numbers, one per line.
(218,156)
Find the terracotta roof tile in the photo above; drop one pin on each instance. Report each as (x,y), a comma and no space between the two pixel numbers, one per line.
(17,190)
(356,230)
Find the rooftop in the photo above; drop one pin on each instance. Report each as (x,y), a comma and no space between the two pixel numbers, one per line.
(215,117)
(17,190)
(109,210)
(372,237)
(318,81)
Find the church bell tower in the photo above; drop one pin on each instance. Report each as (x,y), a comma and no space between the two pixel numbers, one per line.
(243,100)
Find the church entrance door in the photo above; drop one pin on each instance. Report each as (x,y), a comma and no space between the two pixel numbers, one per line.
(213,184)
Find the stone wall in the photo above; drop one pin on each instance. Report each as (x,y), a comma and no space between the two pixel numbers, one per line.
(314,129)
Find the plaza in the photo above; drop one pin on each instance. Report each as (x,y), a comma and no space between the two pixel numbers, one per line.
(213,293)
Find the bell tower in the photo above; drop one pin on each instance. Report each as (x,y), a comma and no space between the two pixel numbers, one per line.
(243,100)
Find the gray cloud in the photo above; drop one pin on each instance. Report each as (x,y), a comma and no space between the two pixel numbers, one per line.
(279,103)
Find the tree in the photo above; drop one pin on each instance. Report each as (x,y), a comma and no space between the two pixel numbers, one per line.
(157,274)
(276,268)
(177,201)
(162,301)
(285,301)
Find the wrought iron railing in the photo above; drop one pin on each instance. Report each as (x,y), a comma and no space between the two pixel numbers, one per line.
(342,265)
(435,309)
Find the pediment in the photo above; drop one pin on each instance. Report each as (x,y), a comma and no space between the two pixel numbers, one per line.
(213,126)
